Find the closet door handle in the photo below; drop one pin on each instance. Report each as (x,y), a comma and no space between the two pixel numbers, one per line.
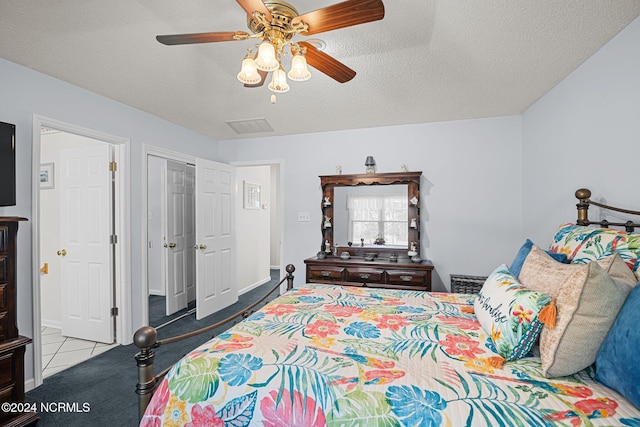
(172,245)
(202,246)
(62,252)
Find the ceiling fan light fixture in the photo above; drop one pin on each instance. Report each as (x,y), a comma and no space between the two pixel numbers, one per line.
(279,81)
(299,71)
(249,71)
(266,60)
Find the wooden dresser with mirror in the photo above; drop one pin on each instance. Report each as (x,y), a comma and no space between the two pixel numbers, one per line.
(375,219)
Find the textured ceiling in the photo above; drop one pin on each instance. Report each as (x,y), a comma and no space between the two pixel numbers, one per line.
(425,61)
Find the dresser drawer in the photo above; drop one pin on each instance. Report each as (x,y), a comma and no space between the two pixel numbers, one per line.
(325,272)
(365,275)
(6,370)
(399,277)
(3,326)
(3,268)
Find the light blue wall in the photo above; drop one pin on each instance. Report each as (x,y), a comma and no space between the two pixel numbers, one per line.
(25,93)
(584,133)
(471,186)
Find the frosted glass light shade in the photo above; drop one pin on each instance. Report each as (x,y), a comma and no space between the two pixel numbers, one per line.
(249,72)
(279,82)
(299,71)
(266,60)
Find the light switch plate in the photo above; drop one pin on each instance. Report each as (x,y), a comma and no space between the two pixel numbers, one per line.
(304,217)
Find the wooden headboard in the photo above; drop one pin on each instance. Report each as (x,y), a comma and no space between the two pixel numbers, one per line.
(583,195)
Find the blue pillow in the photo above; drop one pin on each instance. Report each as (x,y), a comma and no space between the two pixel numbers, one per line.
(618,358)
(522,254)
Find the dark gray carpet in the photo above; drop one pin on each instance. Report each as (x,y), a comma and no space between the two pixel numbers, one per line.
(107,381)
(157,310)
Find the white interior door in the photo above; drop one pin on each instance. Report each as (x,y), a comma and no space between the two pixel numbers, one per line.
(175,244)
(85,232)
(215,257)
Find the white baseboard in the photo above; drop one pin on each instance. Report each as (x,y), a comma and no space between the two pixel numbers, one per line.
(51,323)
(253,286)
(29,385)
(154,292)
(274,267)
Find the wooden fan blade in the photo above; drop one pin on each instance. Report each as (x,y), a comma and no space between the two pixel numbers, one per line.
(263,74)
(327,64)
(341,15)
(227,36)
(251,6)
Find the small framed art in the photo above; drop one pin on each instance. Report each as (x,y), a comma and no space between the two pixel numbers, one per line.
(251,195)
(47,176)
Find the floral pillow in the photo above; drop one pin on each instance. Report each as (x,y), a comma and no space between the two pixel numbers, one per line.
(583,244)
(510,313)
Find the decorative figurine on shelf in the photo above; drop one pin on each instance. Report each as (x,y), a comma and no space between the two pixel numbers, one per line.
(403,167)
(414,201)
(370,165)
(345,255)
(362,243)
(321,255)
(379,240)
(335,249)
(414,224)
(416,258)
(349,244)
(338,170)
(413,251)
(327,222)
(327,246)
(326,202)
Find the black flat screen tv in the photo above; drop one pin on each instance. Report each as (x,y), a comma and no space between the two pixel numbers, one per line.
(7,164)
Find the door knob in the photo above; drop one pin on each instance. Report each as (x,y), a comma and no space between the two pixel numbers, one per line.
(202,246)
(62,252)
(172,245)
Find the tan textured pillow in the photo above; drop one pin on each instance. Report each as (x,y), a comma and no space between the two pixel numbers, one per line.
(588,301)
(618,269)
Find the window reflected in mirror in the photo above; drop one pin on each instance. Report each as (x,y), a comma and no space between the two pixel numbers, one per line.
(371,216)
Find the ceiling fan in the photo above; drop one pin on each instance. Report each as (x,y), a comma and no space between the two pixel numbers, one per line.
(275,23)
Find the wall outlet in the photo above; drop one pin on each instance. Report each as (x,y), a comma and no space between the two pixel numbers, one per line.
(304,217)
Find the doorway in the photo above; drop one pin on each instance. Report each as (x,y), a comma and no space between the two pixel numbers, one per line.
(80,244)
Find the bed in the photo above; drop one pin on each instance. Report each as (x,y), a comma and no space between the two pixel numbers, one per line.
(348,356)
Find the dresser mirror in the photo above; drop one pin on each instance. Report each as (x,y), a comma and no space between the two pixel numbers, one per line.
(378,213)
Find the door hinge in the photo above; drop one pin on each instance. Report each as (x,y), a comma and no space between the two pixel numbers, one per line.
(114,311)
(113,239)
(113,166)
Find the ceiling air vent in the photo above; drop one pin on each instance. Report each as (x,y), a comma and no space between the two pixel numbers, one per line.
(250,126)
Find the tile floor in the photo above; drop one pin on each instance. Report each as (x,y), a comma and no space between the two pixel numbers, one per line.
(59,352)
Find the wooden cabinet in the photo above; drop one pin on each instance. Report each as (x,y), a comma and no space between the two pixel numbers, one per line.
(373,274)
(12,345)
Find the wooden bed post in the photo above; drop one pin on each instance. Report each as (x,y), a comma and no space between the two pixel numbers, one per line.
(583,195)
(145,339)
(290,268)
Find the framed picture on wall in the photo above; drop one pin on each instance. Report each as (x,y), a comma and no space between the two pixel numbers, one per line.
(251,195)
(46,176)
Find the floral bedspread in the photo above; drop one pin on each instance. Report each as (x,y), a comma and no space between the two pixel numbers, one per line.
(345,356)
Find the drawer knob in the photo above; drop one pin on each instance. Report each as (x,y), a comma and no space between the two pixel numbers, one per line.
(406,278)
(364,276)
(325,273)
